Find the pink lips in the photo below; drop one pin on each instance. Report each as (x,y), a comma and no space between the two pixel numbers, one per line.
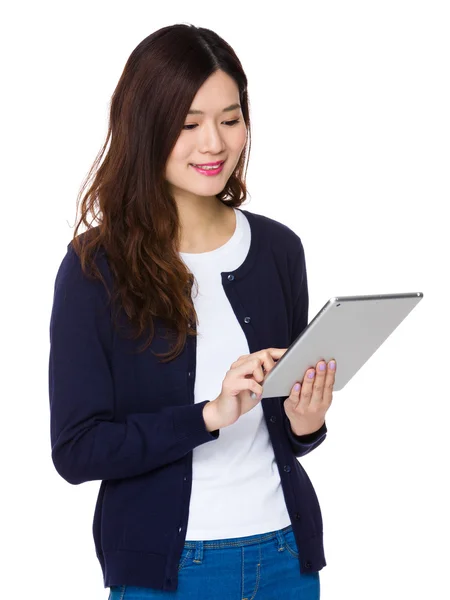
(210,172)
(213,164)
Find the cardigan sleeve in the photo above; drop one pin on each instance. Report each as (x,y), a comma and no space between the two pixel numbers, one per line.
(86,443)
(303,444)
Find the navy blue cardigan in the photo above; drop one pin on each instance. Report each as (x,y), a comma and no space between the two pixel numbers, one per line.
(124,418)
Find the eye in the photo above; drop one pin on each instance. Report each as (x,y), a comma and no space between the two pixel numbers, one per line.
(229,123)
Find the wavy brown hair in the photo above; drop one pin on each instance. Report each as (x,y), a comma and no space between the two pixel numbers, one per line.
(138,223)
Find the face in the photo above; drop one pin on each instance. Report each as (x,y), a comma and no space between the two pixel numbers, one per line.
(215,135)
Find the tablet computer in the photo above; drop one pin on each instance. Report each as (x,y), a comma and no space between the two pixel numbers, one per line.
(348,329)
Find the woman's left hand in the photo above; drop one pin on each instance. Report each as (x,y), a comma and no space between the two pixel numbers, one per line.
(306,408)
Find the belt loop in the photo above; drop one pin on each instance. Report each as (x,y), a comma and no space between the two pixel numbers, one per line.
(198,558)
(281,540)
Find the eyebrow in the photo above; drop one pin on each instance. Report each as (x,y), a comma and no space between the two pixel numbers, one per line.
(227,109)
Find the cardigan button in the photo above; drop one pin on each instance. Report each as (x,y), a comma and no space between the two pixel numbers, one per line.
(247,320)
(298,516)
(230,277)
(308,564)
(191,374)
(273,419)
(287,468)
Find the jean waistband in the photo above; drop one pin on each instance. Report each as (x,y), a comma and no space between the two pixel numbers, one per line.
(238,542)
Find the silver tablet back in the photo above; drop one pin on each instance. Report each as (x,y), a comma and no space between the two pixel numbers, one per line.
(349,329)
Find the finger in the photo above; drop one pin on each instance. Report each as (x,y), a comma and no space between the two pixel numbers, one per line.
(252,367)
(319,382)
(306,391)
(239,385)
(269,355)
(239,361)
(266,356)
(276,353)
(267,360)
(329,383)
(294,397)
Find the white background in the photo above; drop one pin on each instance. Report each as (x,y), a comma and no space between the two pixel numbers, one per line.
(350,148)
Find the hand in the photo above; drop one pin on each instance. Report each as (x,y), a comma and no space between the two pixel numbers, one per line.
(306,408)
(240,381)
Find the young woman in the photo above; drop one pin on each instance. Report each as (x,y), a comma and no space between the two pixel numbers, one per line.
(154,382)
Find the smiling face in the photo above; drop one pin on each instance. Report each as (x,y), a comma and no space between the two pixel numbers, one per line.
(214,130)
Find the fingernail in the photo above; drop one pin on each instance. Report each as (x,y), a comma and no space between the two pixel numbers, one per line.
(296,387)
(322,366)
(332,365)
(311,375)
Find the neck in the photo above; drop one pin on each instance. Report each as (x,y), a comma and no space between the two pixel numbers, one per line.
(203,224)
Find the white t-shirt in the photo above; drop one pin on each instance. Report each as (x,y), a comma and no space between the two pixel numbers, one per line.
(236,487)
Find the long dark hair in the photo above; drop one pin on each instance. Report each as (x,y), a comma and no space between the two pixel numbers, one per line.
(129,198)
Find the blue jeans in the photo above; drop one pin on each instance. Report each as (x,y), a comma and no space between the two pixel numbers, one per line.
(261,567)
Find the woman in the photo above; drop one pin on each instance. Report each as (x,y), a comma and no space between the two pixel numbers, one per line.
(201,494)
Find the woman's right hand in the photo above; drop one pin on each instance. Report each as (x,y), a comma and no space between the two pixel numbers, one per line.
(240,381)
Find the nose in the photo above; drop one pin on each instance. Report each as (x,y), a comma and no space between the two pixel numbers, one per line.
(211,140)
